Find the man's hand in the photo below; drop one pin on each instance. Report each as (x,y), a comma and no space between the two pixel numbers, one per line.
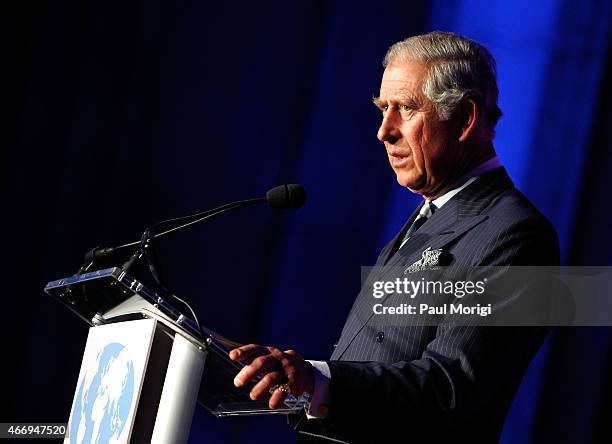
(276,367)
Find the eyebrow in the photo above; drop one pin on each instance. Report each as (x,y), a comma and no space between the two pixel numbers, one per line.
(406,99)
(378,102)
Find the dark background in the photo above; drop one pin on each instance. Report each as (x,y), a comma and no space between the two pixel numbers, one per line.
(118,114)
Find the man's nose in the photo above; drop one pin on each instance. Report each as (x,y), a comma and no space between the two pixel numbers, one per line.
(388,131)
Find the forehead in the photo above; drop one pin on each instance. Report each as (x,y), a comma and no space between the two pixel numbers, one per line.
(403,79)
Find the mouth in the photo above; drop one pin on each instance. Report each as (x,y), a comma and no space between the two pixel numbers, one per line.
(398,160)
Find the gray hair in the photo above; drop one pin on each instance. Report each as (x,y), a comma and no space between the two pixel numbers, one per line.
(458,68)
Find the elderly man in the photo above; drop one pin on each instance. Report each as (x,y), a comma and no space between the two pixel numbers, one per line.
(400,381)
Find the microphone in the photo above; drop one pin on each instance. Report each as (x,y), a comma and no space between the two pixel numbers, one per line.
(287,196)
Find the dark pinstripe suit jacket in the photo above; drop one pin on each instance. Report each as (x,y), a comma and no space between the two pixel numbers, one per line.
(405,383)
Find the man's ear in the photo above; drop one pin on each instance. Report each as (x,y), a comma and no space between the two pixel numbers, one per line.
(468,115)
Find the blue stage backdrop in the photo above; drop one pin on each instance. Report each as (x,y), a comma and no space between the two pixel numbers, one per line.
(120,114)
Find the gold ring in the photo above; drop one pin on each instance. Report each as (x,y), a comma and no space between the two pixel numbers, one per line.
(283,388)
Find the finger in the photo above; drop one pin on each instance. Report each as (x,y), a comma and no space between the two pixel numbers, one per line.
(293,353)
(263,387)
(261,364)
(276,399)
(252,351)
(247,352)
(291,365)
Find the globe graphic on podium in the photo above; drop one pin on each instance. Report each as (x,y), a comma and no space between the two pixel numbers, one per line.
(104,398)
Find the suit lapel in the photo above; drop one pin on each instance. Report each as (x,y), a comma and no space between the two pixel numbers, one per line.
(459,215)
(436,236)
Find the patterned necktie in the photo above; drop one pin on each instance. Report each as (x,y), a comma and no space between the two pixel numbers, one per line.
(426,212)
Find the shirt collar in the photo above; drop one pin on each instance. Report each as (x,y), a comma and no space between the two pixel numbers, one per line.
(466,180)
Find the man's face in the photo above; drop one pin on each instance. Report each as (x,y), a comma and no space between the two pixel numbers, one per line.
(421,149)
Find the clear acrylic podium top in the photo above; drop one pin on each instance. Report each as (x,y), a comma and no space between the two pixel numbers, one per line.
(111,295)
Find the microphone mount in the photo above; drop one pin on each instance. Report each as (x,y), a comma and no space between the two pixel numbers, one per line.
(283,196)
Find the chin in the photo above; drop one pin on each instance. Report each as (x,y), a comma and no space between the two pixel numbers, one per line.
(408,181)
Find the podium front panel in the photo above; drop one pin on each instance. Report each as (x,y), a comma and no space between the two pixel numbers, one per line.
(110,382)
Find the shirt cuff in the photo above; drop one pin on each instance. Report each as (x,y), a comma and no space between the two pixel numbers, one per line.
(319,403)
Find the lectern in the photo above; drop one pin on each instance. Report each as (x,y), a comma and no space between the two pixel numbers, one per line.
(146,364)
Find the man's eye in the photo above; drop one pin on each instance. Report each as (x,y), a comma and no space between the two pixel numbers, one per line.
(405,107)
